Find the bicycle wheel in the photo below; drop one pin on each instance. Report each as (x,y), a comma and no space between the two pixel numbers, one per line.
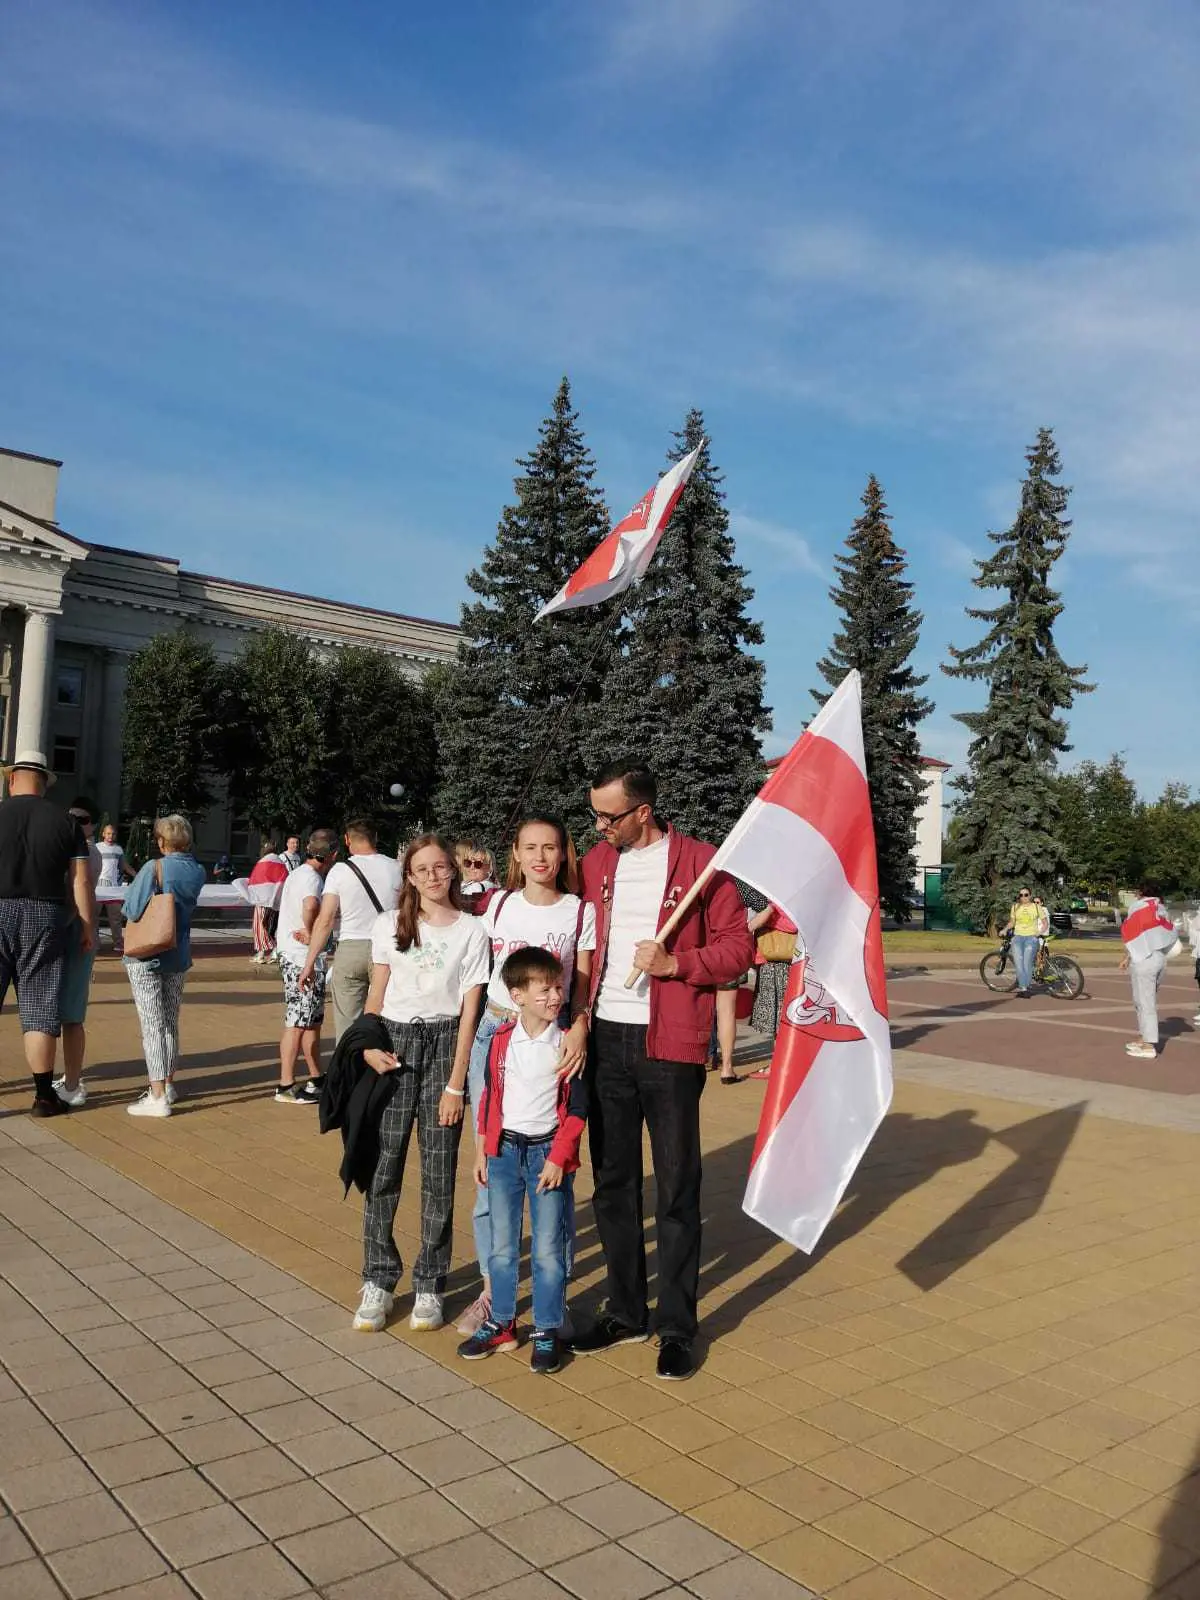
(997,972)
(1064,977)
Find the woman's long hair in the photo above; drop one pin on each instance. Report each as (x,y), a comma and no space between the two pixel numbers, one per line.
(408,911)
(567,881)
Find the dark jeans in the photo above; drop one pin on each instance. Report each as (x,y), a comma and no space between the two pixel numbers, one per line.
(628,1089)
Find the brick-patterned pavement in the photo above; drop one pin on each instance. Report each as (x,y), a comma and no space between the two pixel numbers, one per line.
(985,1383)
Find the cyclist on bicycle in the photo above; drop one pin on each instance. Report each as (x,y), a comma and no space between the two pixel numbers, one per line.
(1024,924)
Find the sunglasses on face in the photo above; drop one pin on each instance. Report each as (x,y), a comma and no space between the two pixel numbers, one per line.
(474,861)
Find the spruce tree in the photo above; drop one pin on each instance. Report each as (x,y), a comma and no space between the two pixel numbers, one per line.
(683,693)
(1009,832)
(497,705)
(879,633)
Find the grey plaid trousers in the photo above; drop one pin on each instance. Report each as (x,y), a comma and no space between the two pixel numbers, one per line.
(427,1051)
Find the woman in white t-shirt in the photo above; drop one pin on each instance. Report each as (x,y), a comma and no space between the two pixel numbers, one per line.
(429,967)
(538,906)
(113,867)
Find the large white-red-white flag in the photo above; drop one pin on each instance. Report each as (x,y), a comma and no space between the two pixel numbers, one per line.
(622,557)
(807,842)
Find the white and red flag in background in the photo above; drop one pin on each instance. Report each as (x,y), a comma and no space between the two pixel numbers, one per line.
(622,557)
(807,842)
(265,883)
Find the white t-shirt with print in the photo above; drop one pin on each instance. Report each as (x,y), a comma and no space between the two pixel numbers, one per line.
(111,857)
(429,980)
(304,884)
(531,1082)
(639,889)
(356,914)
(513,924)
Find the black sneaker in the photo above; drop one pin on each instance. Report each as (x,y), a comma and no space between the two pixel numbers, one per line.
(546,1356)
(605,1333)
(675,1359)
(54,1107)
(310,1091)
(291,1094)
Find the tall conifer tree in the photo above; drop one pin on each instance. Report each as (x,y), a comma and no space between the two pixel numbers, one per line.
(684,692)
(879,633)
(1008,833)
(498,702)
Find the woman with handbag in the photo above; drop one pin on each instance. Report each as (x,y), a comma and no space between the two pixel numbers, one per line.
(775,945)
(158,953)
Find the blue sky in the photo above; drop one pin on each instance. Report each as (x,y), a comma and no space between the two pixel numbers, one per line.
(289,287)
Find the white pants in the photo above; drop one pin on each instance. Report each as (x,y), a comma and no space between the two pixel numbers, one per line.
(1145,977)
(157,995)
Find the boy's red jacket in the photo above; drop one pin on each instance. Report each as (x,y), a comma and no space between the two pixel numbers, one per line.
(572,1106)
(712,945)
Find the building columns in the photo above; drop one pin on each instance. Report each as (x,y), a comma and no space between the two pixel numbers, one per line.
(33,699)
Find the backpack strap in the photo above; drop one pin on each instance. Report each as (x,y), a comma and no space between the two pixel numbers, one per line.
(362,878)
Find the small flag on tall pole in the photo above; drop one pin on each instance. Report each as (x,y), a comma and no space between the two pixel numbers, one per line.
(621,558)
(808,843)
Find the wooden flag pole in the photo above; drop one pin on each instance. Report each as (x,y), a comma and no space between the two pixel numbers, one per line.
(677,916)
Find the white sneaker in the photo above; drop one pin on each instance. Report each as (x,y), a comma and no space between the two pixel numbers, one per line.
(476,1314)
(1196,1018)
(374,1308)
(74,1098)
(1142,1052)
(426,1313)
(150,1106)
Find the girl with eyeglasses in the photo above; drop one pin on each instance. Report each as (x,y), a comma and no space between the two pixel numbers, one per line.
(430,961)
(1024,921)
(539,907)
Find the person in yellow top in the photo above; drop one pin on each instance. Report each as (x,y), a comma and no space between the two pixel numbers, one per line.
(1023,924)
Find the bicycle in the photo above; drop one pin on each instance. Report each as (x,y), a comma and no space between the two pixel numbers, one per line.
(1059,974)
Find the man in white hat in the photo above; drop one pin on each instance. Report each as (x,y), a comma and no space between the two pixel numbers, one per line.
(43,861)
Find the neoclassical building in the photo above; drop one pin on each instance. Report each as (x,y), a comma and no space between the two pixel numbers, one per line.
(74,612)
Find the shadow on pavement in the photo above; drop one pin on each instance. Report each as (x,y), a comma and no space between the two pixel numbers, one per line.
(1011,1198)
(1177,1569)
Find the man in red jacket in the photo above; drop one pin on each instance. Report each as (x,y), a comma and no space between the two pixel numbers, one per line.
(649,1045)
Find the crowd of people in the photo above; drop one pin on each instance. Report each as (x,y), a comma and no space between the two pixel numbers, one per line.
(544,1007)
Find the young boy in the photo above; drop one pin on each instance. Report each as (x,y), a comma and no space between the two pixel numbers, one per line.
(530,1123)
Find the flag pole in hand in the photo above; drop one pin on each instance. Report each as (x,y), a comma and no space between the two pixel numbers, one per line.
(677,916)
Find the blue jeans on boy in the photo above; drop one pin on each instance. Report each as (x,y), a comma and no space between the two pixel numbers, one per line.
(512,1175)
(1024,948)
(481,1220)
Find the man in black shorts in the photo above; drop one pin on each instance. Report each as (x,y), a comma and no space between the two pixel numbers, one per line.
(43,859)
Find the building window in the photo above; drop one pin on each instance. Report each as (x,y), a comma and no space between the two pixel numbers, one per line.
(66,754)
(69,690)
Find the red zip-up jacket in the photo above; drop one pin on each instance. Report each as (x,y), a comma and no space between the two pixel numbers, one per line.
(712,945)
(572,1106)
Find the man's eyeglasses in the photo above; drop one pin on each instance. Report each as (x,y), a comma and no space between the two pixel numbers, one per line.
(606,819)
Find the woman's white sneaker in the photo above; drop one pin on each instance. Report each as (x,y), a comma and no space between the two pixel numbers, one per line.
(150,1106)
(374,1308)
(75,1097)
(426,1313)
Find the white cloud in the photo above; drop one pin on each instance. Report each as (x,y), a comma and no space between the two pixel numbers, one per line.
(785,542)
(656,36)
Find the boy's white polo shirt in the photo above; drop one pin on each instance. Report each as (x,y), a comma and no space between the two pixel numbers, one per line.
(531,1081)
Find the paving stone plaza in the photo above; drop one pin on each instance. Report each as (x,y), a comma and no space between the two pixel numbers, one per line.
(984,1384)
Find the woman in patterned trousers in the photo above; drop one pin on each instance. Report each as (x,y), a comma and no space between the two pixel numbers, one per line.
(157,981)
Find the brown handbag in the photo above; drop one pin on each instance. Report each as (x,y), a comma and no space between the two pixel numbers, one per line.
(775,945)
(154,930)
